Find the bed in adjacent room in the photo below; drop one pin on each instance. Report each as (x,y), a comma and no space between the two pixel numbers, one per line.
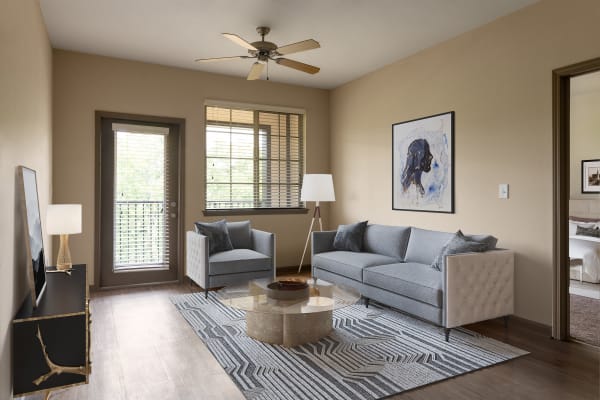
(584,240)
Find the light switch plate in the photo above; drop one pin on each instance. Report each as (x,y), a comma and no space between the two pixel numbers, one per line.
(503,191)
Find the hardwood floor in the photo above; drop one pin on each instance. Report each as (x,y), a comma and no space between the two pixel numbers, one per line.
(143,349)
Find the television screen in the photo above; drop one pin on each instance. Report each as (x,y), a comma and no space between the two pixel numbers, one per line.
(34,243)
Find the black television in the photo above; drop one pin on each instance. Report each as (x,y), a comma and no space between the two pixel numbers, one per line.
(32,226)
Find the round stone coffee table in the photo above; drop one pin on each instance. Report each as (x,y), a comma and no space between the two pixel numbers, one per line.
(288,322)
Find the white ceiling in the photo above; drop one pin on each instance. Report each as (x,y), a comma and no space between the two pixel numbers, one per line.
(356,36)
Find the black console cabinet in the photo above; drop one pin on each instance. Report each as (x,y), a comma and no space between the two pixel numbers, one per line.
(62,323)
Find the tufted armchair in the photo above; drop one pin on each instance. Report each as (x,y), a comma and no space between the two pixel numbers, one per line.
(252,257)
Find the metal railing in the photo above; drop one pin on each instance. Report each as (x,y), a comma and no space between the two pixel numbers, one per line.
(140,239)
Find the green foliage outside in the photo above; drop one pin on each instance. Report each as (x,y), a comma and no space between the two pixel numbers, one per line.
(140,236)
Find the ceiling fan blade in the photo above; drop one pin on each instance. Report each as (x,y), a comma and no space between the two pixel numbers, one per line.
(309,69)
(297,47)
(255,71)
(220,59)
(239,41)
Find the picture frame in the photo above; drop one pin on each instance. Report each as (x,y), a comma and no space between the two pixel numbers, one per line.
(423,164)
(32,233)
(590,176)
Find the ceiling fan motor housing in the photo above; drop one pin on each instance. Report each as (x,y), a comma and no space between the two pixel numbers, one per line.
(265,50)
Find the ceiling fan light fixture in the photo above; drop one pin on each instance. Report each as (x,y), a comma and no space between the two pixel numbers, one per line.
(255,71)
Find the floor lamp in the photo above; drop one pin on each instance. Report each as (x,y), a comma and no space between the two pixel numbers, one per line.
(317,188)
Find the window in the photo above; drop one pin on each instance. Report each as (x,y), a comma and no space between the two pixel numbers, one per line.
(254,159)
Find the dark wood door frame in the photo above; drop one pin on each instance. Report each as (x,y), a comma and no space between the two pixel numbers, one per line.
(180,123)
(561,91)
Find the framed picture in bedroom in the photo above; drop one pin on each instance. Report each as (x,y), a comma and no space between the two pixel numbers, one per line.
(590,176)
(423,164)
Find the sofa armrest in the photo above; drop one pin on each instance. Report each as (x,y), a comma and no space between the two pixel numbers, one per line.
(197,258)
(322,242)
(263,242)
(478,287)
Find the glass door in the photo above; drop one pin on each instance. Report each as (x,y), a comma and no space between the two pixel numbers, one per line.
(140,202)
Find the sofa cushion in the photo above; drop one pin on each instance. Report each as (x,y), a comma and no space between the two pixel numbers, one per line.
(240,235)
(414,280)
(217,234)
(237,261)
(386,240)
(424,245)
(348,263)
(350,237)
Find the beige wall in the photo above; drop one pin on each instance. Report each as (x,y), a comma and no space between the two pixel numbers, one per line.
(86,83)
(585,132)
(498,80)
(25,139)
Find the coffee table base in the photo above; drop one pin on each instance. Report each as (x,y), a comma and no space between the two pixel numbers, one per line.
(289,329)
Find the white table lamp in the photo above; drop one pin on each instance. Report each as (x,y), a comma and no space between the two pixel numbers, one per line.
(317,188)
(63,220)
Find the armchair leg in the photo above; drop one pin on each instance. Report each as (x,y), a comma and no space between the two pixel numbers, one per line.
(447,334)
(367,302)
(206,293)
(505,318)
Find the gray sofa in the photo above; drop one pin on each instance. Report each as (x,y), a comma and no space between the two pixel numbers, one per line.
(394,268)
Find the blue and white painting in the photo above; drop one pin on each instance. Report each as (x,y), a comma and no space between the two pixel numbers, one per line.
(423,164)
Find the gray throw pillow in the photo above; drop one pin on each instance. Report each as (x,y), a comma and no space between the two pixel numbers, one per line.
(350,237)
(217,234)
(240,234)
(593,232)
(488,240)
(458,244)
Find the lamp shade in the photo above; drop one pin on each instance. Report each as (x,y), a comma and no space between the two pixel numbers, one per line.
(317,187)
(63,219)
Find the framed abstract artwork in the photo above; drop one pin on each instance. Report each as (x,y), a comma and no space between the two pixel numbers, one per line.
(423,164)
(590,176)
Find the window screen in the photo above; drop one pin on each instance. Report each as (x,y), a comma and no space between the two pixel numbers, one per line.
(254,158)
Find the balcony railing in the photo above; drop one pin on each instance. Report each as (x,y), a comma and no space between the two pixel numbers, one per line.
(140,235)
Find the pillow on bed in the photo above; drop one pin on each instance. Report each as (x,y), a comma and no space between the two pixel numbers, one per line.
(592,232)
(573,225)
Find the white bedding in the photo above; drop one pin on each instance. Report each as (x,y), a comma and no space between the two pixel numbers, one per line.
(586,248)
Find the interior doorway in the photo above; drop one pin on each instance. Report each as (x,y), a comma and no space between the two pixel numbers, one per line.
(571,260)
(138,200)
(584,209)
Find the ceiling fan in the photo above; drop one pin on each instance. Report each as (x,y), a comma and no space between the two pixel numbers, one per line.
(264,51)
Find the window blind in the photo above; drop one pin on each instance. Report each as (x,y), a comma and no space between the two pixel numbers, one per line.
(141,231)
(254,158)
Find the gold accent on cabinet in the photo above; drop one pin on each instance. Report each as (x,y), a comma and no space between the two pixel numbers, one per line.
(55,369)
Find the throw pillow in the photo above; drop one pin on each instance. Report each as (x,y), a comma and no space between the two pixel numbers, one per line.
(488,240)
(593,232)
(217,234)
(350,237)
(458,244)
(573,225)
(240,234)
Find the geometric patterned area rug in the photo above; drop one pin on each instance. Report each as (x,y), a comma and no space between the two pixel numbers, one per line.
(372,353)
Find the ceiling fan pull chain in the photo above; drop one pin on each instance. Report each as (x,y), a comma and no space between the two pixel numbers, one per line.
(267,69)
